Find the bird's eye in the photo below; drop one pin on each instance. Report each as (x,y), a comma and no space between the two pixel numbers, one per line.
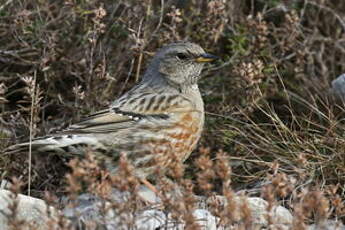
(182,56)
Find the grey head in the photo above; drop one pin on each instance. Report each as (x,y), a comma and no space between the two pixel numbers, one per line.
(179,64)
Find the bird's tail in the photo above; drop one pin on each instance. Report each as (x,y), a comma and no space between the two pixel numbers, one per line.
(60,144)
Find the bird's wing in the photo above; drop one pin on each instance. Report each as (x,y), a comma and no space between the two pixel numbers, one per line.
(130,112)
(123,114)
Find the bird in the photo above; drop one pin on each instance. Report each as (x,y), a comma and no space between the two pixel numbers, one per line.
(156,122)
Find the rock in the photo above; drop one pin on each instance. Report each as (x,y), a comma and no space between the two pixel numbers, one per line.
(148,195)
(338,87)
(90,210)
(5,184)
(258,206)
(30,212)
(94,212)
(280,216)
(156,219)
(327,225)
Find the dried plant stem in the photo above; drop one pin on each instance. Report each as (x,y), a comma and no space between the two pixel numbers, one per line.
(138,67)
(140,59)
(6,3)
(149,186)
(33,96)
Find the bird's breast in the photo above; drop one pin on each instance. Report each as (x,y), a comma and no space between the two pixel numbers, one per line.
(185,133)
(171,143)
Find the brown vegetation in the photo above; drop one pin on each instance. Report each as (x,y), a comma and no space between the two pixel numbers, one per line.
(268,105)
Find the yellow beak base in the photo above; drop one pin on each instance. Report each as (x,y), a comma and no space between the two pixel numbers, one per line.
(206,58)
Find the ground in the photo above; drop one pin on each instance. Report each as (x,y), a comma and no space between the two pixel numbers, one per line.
(269,109)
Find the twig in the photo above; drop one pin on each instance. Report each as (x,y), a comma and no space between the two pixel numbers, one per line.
(159,23)
(224,64)
(140,54)
(329,10)
(6,3)
(148,42)
(128,77)
(33,97)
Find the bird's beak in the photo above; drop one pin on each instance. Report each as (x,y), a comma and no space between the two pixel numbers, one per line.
(206,58)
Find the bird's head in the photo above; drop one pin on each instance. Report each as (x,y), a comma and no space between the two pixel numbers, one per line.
(180,63)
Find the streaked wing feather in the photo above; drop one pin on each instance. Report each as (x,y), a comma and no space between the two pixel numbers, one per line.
(125,116)
(104,118)
(101,127)
(103,121)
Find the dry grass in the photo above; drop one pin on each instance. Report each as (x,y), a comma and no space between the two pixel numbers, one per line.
(267,102)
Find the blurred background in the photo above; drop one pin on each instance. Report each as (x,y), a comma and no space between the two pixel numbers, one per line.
(269,100)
